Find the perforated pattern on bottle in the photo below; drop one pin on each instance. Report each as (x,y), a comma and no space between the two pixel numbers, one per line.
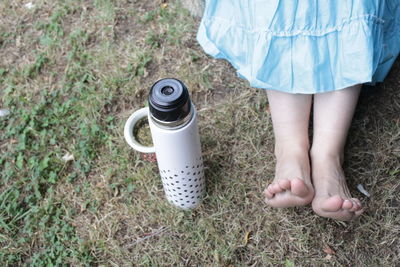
(184,188)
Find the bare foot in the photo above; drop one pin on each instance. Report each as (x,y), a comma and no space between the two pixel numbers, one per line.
(292,184)
(332,197)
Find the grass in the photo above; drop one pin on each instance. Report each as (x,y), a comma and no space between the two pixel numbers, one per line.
(71,72)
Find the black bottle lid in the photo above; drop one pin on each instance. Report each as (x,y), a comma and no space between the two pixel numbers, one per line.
(169,100)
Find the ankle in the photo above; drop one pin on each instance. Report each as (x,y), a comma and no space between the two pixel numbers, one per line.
(292,149)
(323,155)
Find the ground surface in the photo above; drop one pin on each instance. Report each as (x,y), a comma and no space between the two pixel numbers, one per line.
(71,72)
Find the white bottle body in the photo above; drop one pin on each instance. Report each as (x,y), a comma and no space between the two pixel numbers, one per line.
(180,162)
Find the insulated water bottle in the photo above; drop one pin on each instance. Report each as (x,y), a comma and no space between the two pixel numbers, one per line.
(173,124)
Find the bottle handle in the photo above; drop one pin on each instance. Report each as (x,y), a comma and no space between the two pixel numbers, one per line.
(128,131)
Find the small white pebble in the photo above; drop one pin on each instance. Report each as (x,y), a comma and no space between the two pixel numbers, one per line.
(68,157)
(29,5)
(4,112)
(361,188)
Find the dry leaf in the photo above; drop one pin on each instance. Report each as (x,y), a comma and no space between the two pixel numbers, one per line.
(83,207)
(246,237)
(150,157)
(116,192)
(100,185)
(68,157)
(329,251)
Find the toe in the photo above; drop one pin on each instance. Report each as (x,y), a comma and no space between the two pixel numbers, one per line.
(284,184)
(276,188)
(356,205)
(331,204)
(336,208)
(347,204)
(268,194)
(298,187)
(269,189)
(358,202)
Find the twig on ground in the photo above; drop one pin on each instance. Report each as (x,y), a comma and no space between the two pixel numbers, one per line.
(147,236)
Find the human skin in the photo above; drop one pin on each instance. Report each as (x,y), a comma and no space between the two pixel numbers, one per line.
(315,175)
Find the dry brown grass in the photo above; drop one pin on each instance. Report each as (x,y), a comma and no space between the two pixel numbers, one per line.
(118,209)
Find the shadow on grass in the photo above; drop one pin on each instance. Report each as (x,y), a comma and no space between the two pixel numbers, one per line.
(214,167)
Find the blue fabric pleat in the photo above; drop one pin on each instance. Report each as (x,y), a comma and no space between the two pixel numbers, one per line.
(300,46)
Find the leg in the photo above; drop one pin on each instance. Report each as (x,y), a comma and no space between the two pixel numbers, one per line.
(290,118)
(333,112)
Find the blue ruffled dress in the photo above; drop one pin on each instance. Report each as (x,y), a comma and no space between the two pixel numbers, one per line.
(303,46)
